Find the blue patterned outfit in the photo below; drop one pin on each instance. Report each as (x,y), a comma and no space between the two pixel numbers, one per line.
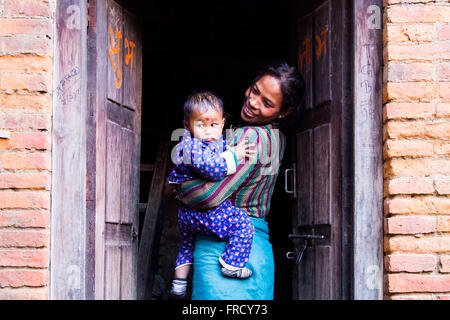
(193,159)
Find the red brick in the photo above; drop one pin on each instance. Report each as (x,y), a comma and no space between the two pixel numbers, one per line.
(24,121)
(409,71)
(22,238)
(410,91)
(414,244)
(413,297)
(22,160)
(417,129)
(418,283)
(442,147)
(25,44)
(418,205)
(442,110)
(388,2)
(24,258)
(445,264)
(412,185)
(444,89)
(408,33)
(416,167)
(24,181)
(26,101)
(410,263)
(24,200)
(418,13)
(442,32)
(410,225)
(41,8)
(26,140)
(443,224)
(408,148)
(26,63)
(24,82)
(443,71)
(9,27)
(24,218)
(442,185)
(417,51)
(398,110)
(21,278)
(24,293)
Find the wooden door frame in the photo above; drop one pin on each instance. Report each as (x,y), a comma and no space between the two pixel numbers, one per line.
(367,150)
(68,230)
(361,178)
(72,274)
(77,205)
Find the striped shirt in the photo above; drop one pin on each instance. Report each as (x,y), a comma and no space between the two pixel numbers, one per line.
(251,187)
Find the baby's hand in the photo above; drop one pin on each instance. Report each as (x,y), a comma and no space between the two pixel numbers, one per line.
(243,150)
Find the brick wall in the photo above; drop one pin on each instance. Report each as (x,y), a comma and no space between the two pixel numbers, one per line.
(416,116)
(25,141)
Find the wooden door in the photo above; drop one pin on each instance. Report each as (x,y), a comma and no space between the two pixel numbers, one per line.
(321,155)
(118,82)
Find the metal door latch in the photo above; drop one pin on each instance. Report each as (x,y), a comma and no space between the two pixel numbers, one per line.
(297,254)
(286,189)
(134,233)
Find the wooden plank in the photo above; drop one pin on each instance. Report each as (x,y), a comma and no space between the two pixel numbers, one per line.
(118,234)
(151,215)
(322,54)
(368,197)
(146,167)
(128,176)
(323,284)
(305,56)
(122,116)
(129,273)
(68,194)
(112,272)
(131,61)
(304,175)
(101,112)
(304,287)
(113,172)
(115,52)
(91,154)
(322,175)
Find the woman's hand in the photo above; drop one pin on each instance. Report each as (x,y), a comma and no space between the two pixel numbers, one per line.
(243,150)
(169,189)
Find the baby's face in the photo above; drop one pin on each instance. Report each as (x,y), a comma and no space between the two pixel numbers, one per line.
(207,126)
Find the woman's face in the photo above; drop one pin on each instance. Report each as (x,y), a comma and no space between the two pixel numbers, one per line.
(263,102)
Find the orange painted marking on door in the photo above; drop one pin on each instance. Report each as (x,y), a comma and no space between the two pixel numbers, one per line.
(112,50)
(305,54)
(129,55)
(321,44)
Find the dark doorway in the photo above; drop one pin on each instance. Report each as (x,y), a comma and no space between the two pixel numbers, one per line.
(218,46)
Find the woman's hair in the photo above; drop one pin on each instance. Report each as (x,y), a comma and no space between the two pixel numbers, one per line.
(292,89)
(201,101)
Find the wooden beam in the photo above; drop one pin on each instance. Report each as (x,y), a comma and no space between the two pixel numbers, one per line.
(145,279)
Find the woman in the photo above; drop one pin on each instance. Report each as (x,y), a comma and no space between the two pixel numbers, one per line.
(273,101)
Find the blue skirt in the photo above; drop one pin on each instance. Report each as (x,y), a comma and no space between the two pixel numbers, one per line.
(209,284)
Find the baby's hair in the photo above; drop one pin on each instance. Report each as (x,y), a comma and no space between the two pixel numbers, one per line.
(201,101)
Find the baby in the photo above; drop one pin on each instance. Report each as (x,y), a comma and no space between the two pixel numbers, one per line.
(203,153)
